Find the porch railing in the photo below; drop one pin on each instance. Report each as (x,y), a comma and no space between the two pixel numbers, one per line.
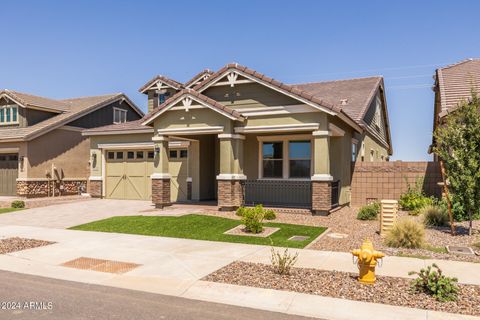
(279,193)
(335,193)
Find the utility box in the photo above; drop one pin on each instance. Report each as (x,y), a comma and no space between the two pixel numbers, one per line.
(388,215)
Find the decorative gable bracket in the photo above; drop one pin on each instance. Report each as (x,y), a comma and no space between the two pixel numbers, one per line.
(232,78)
(187,103)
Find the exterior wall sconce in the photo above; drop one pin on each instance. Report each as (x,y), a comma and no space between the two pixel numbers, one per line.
(21,161)
(157,150)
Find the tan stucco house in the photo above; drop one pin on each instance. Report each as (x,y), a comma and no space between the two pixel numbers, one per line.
(236,137)
(453,84)
(42,150)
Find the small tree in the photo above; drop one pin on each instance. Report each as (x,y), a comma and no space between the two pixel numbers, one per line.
(458,146)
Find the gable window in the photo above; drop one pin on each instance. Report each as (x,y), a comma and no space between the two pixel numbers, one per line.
(354,151)
(8,115)
(119,115)
(162,97)
(285,157)
(377,118)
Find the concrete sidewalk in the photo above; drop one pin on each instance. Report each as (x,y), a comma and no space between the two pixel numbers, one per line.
(176,266)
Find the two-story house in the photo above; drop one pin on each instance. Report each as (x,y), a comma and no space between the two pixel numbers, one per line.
(42,150)
(237,136)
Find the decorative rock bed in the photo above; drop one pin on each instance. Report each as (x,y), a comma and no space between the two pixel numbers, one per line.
(18,244)
(387,290)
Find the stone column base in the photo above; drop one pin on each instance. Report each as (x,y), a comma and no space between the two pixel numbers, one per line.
(230,194)
(161,192)
(321,197)
(95,188)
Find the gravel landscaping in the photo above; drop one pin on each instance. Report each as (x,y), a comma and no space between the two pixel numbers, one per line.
(18,244)
(387,290)
(344,221)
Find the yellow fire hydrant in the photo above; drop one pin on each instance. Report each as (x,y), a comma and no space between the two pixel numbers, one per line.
(367,261)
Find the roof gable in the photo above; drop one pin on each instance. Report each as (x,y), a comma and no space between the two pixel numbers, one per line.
(186,97)
(198,78)
(160,82)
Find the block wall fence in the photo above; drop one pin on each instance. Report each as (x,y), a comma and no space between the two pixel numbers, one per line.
(388,180)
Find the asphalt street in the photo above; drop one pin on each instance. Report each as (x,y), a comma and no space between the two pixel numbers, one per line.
(31,297)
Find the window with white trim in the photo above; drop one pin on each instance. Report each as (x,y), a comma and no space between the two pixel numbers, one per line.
(162,97)
(354,151)
(285,158)
(119,115)
(8,114)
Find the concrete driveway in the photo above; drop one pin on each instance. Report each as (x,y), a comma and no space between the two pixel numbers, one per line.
(74,213)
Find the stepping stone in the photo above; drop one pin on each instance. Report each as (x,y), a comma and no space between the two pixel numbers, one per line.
(335,235)
(298,238)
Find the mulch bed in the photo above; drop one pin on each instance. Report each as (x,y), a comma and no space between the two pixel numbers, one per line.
(387,290)
(17,244)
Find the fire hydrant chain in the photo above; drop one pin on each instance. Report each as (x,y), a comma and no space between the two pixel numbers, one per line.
(367,259)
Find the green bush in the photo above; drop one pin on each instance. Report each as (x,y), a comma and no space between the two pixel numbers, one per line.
(240,211)
(434,283)
(369,212)
(434,216)
(252,219)
(18,204)
(414,199)
(406,233)
(269,214)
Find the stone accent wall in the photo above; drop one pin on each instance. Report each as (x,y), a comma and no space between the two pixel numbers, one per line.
(95,188)
(44,188)
(230,194)
(161,192)
(321,197)
(388,180)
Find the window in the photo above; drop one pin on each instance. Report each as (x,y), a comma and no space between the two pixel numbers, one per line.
(119,115)
(151,155)
(354,152)
(272,153)
(173,153)
(299,157)
(139,155)
(183,153)
(8,114)
(131,155)
(111,155)
(162,97)
(119,155)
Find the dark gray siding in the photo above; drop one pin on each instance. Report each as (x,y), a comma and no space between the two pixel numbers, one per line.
(104,116)
(33,116)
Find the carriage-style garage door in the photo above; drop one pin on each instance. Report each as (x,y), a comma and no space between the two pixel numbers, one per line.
(8,174)
(128,175)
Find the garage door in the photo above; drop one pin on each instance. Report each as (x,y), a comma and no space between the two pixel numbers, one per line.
(8,174)
(128,174)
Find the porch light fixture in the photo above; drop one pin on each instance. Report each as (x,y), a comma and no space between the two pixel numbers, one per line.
(20,162)
(157,150)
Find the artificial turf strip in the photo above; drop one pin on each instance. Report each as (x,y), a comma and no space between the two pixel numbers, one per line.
(201,227)
(6,210)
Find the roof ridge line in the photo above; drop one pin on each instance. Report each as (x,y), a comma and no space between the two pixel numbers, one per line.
(338,80)
(459,63)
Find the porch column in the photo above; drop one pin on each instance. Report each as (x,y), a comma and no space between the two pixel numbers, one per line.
(321,179)
(231,178)
(160,177)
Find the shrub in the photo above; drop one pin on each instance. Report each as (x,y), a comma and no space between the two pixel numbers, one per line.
(414,199)
(434,216)
(434,283)
(269,214)
(283,262)
(252,219)
(18,204)
(240,211)
(406,233)
(369,212)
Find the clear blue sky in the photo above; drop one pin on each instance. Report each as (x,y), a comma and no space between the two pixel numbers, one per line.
(65,49)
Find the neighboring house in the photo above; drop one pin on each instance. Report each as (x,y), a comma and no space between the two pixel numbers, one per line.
(42,150)
(453,84)
(239,137)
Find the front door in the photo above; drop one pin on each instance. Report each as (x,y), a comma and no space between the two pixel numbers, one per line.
(178,168)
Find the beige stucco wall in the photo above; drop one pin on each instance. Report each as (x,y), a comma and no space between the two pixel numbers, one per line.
(67,150)
(193,118)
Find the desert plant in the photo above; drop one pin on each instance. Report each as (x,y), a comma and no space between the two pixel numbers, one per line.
(269,214)
(432,281)
(369,212)
(18,204)
(406,233)
(434,216)
(252,219)
(240,211)
(414,199)
(282,263)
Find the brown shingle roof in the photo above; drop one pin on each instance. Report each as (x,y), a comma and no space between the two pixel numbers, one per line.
(353,96)
(29,100)
(199,76)
(263,78)
(456,81)
(170,82)
(214,104)
(74,108)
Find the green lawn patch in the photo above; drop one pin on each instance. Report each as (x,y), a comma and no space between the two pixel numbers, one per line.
(6,210)
(201,227)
